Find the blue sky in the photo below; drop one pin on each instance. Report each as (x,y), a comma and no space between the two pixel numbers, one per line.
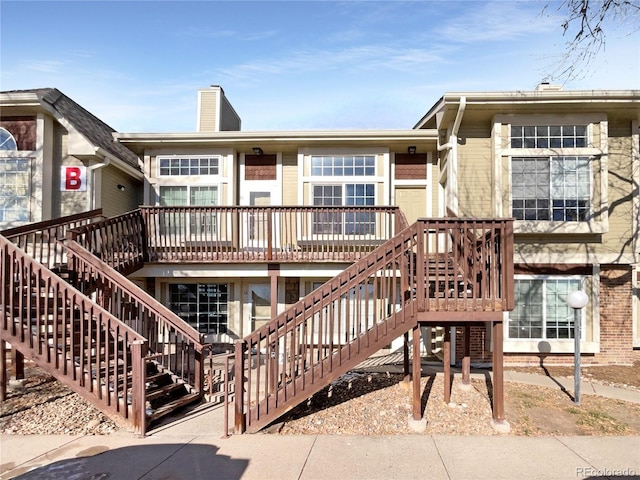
(292,65)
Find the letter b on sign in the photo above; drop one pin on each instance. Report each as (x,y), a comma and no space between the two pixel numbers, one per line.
(73,179)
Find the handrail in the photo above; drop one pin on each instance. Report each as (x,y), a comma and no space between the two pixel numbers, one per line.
(76,340)
(120,241)
(55,222)
(273,233)
(177,346)
(100,272)
(39,240)
(324,334)
(457,266)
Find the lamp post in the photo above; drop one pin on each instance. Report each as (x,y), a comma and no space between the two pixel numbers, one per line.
(576,300)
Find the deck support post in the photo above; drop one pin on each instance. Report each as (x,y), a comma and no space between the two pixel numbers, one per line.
(417,374)
(405,359)
(3,371)
(466,356)
(17,364)
(446,364)
(498,373)
(139,352)
(238,394)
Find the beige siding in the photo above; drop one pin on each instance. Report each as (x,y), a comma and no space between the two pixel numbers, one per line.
(208,111)
(115,201)
(475,168)
(290,179)
(620,190)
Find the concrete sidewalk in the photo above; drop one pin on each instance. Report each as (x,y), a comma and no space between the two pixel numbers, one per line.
(192,448)
(265,457)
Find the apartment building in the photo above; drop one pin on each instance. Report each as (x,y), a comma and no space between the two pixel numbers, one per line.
(563,164)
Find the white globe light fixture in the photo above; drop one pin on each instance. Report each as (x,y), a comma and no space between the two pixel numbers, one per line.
(577,300)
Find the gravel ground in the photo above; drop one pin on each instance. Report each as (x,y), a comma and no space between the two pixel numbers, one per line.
(41,405)
(379,404)
(366,404)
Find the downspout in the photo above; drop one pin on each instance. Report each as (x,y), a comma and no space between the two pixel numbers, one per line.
(452,176)
(91,181)
(451,198)
(453,138)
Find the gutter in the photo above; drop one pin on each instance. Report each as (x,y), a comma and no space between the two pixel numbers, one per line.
(125,167)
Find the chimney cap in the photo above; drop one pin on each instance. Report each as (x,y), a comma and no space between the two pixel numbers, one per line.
(548,87)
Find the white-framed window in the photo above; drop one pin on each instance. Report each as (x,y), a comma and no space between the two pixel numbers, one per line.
(15,174)
(347,222)
(541,311)
(202,305)
(548,136)
(343,165)
(191,223)
(338,181)
(555,188)
(188,195)
(188,166)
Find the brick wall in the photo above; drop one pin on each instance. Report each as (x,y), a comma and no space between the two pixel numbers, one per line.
(616,315)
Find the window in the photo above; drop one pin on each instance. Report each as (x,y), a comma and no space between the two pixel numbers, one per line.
(202,305)
(541,310)
(7,142)
(188,166)
(343,190)
(551,188)
(343,166)
(14,189)
(344,222)
(549,136)
(187,195)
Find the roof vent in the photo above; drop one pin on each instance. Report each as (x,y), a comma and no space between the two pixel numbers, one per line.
(547,87)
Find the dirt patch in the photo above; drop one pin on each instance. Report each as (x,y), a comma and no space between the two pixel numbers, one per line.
(380,404)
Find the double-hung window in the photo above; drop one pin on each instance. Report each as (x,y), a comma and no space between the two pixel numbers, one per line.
(551,176)
(189,182)
(342,181)
(541,311)
(551,188)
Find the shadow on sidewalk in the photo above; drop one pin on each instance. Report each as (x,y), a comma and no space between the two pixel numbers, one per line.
(193,461)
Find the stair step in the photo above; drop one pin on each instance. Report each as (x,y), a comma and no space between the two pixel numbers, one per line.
(164,391)
(157,380)
(172,406)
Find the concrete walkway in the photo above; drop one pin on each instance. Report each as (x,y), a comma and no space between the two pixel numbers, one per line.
(193,448)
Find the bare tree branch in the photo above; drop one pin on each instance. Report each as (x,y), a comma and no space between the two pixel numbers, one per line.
(586,23)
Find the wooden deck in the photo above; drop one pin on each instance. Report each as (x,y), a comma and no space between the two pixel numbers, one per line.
(446,271)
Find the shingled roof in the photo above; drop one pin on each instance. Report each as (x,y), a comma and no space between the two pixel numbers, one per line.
(88,125)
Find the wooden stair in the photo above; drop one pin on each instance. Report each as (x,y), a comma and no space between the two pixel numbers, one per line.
(50,317)
(435,271)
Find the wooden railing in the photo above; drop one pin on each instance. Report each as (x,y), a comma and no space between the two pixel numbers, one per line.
(435,270)
(77,341)
(255,234)
(121,242)
(172,343)
(462,265)
(40,240)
